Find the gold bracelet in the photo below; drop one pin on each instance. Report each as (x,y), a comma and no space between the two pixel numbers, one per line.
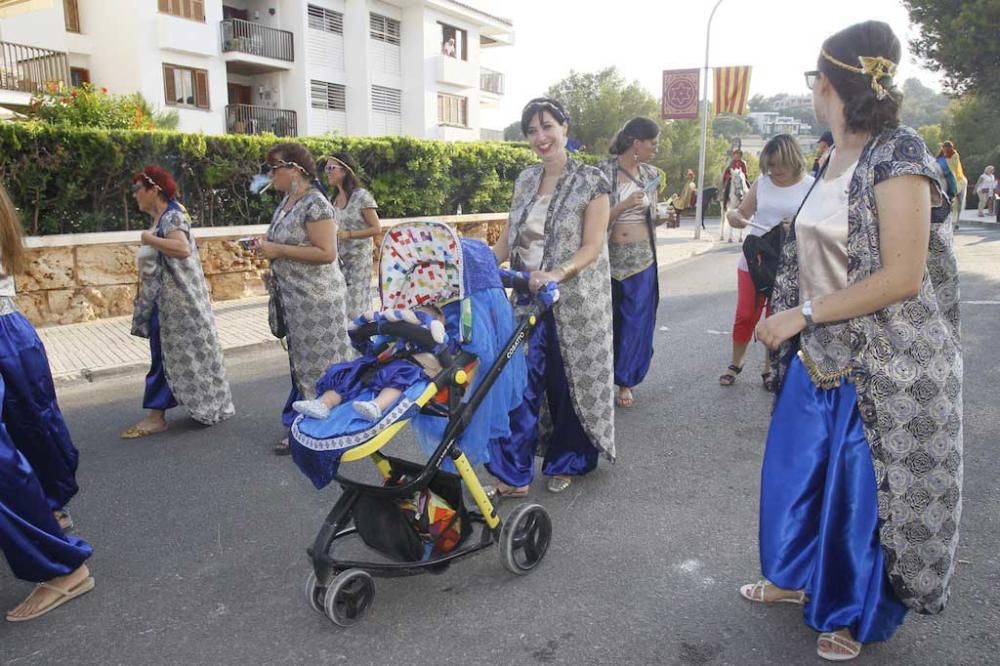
(569,270)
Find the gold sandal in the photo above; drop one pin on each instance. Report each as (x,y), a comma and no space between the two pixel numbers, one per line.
(756,592)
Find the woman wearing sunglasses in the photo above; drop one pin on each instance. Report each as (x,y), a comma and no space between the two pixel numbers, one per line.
(174,311)
(357,226)
(308,293)
(862,475)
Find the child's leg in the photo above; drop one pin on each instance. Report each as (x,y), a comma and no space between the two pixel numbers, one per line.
(330,398)
(320,407)
(387,397)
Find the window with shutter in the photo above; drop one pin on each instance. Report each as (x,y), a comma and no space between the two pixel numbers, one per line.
(331,96)
(385,29)
(326,20)
(71,12)
(189,9)
(184,86)
(453,110)
(387,100)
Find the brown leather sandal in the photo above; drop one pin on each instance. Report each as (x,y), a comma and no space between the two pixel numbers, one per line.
(729,377)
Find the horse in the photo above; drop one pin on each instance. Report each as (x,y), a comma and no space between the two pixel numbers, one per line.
(738,189)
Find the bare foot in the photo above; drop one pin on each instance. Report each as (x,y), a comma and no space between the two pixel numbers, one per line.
(625,397)
(43,597)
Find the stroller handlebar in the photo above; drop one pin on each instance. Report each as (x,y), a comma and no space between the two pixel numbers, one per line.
(519,281)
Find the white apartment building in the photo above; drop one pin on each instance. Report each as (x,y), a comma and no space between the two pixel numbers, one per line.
(772,122)
(291,67)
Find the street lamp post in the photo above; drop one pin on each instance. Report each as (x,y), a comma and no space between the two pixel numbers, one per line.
(704,130)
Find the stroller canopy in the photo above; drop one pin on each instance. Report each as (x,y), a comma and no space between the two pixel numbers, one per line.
(420,264)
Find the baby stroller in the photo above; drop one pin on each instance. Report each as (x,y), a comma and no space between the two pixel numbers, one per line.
(417,521)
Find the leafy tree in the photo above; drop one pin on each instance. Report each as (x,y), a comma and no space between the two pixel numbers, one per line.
(600,103)
(921,105)
(974,127)
(730,126)
(959,38)
(513,132)
(933,136)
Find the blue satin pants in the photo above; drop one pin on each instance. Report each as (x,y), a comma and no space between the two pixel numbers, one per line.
(633,306)
(158,394)
(37,460)
(570,451)
(31,413)
(819,512)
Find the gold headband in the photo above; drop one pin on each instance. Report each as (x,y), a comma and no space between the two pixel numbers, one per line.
(331,158)
(876,67)
(152,183)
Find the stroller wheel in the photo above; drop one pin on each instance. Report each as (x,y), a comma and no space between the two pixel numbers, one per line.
(315,593)
(349,597)
(524,538)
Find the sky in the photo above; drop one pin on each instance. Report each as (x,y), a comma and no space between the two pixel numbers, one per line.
(780,39)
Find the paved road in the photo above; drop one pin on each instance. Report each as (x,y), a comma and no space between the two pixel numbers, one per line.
(200,533)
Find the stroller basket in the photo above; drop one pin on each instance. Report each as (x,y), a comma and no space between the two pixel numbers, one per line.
(412,529)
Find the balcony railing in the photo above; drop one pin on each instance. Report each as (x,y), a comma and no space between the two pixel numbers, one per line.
(248,119)
(29,68)
(248,37)
(490,81)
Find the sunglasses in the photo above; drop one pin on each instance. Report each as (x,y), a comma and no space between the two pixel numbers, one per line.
(331,167)
(811,77)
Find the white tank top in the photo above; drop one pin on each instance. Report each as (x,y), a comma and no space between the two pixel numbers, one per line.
(632,215)
(774,204)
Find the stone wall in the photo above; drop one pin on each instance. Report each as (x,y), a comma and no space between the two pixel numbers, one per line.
(76,278)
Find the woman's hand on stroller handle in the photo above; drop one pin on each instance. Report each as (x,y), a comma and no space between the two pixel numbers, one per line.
(545,292)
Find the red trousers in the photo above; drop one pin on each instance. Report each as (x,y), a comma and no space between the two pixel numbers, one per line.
(750,304)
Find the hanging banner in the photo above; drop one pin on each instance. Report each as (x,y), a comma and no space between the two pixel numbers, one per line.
(680,94)
(732,89)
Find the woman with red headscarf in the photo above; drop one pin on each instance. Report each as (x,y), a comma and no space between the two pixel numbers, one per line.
(173,310)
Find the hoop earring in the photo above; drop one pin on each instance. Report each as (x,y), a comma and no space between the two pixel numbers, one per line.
(635,157)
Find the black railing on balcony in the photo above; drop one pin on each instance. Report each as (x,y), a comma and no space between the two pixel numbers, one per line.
(490,81)
(29,68)
(248,37)
(248,119)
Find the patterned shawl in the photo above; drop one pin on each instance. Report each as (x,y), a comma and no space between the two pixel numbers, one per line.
(906,362)
(312,296)
(356,254)
(583,313)
(192,355)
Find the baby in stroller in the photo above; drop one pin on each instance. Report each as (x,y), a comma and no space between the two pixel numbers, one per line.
(344,382)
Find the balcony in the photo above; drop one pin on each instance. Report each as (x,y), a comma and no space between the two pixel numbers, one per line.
(455,71)
(26,70)
(490,81)
(248,119)
(250,48)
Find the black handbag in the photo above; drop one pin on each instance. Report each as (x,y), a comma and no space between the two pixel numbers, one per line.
(763,253)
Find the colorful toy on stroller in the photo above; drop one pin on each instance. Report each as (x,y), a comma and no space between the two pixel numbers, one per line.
(473,375)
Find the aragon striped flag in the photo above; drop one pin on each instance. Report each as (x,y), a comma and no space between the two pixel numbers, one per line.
(732,87)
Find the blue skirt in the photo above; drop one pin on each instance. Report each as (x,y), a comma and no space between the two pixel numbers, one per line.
(157,394)
(633,306)
(819,511)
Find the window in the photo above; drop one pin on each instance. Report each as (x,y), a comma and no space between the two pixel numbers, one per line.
(453,110)
(326,20)
(78,76)
(384,29)
(387,100)
(332,96)
(454,42)
(71,13)
(189,9)
(183,86)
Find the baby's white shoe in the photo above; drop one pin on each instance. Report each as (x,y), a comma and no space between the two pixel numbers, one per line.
(368,409)
(314,409)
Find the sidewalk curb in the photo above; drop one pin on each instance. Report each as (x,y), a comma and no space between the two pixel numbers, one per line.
(86,376)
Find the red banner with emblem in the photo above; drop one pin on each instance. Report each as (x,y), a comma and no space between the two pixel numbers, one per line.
(732,87)
(680,93)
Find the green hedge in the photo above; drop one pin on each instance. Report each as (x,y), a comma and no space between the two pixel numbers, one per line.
(78,180)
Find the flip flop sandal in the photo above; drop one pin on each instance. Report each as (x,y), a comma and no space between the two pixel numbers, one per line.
(64,595)
(755,592)
(557,484)
(852,647)
(497,492)
(64,519)
(135,432)
(282,448)
(729,378)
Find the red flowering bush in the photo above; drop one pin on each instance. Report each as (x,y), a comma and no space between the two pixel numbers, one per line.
(87,106)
